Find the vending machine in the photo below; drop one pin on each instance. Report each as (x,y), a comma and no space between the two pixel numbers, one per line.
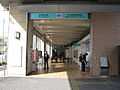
(34,59)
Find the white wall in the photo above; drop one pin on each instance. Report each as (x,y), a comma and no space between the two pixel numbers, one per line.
(38,43)
(34,42)
(42,47)
(69,52)
(76,59)
(17,47)
(81,49)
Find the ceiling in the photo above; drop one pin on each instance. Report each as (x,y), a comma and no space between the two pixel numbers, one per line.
(6,2)
(84,1)
(63,31)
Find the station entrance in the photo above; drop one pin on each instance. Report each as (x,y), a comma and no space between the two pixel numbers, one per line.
(64,36)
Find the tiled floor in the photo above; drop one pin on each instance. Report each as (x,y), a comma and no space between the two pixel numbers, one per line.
(61,70)
(77,79)
(60,76)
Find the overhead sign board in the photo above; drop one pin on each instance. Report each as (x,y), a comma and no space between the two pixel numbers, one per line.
(77,44)
(58,15)
(59,50)
(42,15)
(75,15)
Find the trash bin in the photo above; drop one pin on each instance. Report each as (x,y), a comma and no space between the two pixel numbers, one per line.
(104,65)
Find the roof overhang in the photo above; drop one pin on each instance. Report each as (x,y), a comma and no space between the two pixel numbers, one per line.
(69,8)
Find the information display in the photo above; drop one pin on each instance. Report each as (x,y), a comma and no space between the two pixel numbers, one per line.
(103,61)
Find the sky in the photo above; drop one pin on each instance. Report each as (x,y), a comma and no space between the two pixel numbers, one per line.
(4,20)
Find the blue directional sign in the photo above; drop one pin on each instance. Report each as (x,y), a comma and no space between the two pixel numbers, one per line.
(58,15)
(77,44)
(75,15)
(42,15)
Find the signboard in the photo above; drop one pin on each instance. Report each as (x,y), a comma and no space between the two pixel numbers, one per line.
(77,44)
(66,47)
(58,15)
(103,61)
(75,15)
(42,15)
(59,50)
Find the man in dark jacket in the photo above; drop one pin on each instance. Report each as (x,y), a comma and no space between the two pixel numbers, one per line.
(84,62)
(46,57)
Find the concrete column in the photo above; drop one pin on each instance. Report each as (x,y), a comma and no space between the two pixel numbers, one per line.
(29,46)
(36,42)
(16,64)
(44,43)
(40,45)
(50,50)
(105,39)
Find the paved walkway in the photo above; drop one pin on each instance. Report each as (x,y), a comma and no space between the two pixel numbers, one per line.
(61,70)
(96,84)
(34,84)
(60,76)
(28,83)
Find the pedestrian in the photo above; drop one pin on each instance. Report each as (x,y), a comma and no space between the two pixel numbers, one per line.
(56,57)
(80,58)
(46,57)
(60,56)
(84,62)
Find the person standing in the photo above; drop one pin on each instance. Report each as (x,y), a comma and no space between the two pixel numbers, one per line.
(84,62)
(56,57)
(60,56)
(80,58)
(46,57)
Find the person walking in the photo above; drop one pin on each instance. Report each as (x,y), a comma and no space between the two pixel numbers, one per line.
(46,57)
(84,62)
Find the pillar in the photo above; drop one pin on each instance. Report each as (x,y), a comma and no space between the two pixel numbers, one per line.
(44,43)
(16,65)
(29,47)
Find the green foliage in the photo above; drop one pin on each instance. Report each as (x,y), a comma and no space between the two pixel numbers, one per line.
(0,63)
(3,63)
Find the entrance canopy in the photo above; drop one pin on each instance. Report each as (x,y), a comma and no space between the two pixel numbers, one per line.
(43,1)
(62,30)
(5,3)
